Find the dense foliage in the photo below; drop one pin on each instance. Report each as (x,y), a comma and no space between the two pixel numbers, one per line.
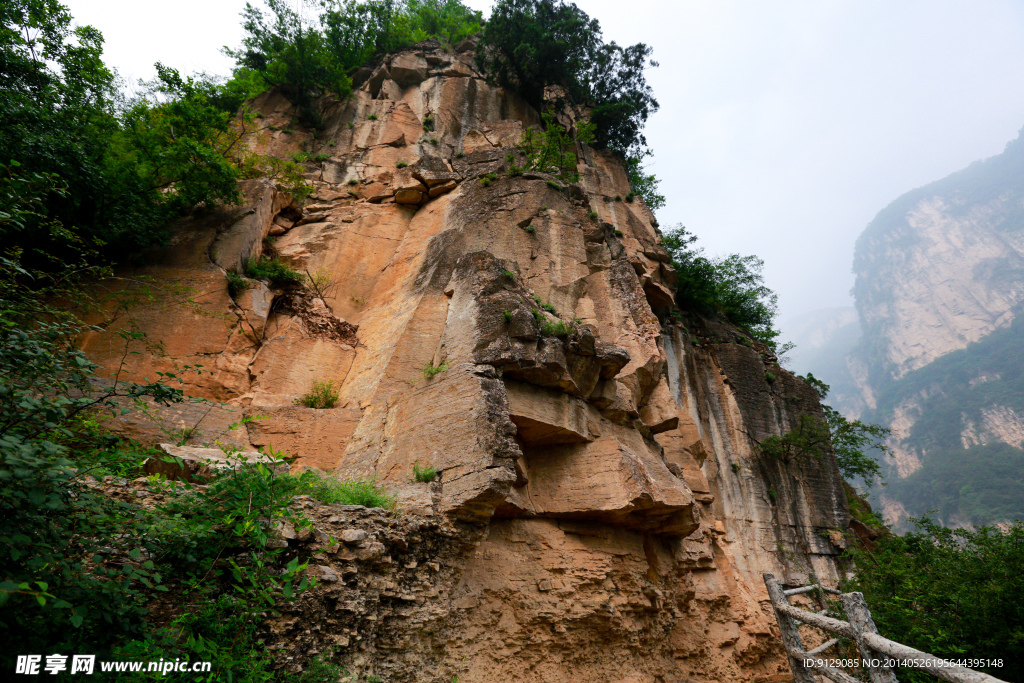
(551,149)
(311,58)
(79,569)
(552,53)
(730,286)
(126,166)
(532,46)
(953,593)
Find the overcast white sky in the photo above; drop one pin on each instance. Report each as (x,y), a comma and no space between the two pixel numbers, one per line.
(785,126)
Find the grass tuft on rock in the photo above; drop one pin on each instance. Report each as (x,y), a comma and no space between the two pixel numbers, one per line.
(275,271)
(321,395)
(365,492)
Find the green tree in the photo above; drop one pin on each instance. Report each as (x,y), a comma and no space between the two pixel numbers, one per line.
(852,440)
(732,286)
(289,53)
(552,53)
(954,593)
(50,524)
(126,168)
(308,59)
(645,185)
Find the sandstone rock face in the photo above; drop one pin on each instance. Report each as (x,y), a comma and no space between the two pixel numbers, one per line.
(606,513)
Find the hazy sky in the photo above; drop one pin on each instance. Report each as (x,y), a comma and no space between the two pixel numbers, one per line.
(784,127)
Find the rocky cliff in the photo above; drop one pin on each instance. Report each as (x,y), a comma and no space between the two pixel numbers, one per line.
(602,512)
(940,284)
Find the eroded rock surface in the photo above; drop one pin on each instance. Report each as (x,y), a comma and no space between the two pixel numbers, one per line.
(601,511)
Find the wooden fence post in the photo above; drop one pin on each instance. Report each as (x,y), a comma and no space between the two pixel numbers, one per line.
(790,635)
(860,619)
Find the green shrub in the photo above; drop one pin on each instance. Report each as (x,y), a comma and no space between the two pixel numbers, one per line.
(433,141)
(735,467)
(770,377)
(508,274)
(320,669)
(485,182)
(550,150)
(549,308)
(401,164)
(351,125)
(353,181)
(365,492)
(424,475)
(428,122)
(236,284)
(618,198)
(629,197)
(275,271)
(321,395)
(460,154)
(530,45)
(530,229)
(371,117)
(950,592)
(300,157)
(287,131)
(731,286)
(320,156)
(507,315)
(593,215)
(619,233)
(430,370)
(556,328)
(642,184)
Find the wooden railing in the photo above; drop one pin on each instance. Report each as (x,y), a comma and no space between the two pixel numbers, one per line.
(877,654)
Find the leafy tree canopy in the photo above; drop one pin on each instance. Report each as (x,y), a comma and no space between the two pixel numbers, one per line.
(311,56)
(852,440)
(731,286)
(126,167)
(552,53)
(954,593)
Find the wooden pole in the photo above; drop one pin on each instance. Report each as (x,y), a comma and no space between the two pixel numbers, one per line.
(860,619)
(790,635)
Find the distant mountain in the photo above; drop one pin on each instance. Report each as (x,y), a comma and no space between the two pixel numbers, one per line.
(939,292)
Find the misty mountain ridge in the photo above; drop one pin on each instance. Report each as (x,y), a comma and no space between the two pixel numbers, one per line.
(939,291)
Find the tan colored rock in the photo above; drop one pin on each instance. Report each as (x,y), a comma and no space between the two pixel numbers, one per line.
(586,499)
(615,480)
(443,188)
(544,417)
(202,464)
(408,69)
(413,197)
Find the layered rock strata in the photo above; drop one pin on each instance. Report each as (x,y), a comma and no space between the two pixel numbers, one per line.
(606,511)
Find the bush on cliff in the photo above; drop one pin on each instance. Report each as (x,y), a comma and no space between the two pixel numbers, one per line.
(309,59)
(731,286)
(954,593)
(532,45)
(79,568)
(126,167)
